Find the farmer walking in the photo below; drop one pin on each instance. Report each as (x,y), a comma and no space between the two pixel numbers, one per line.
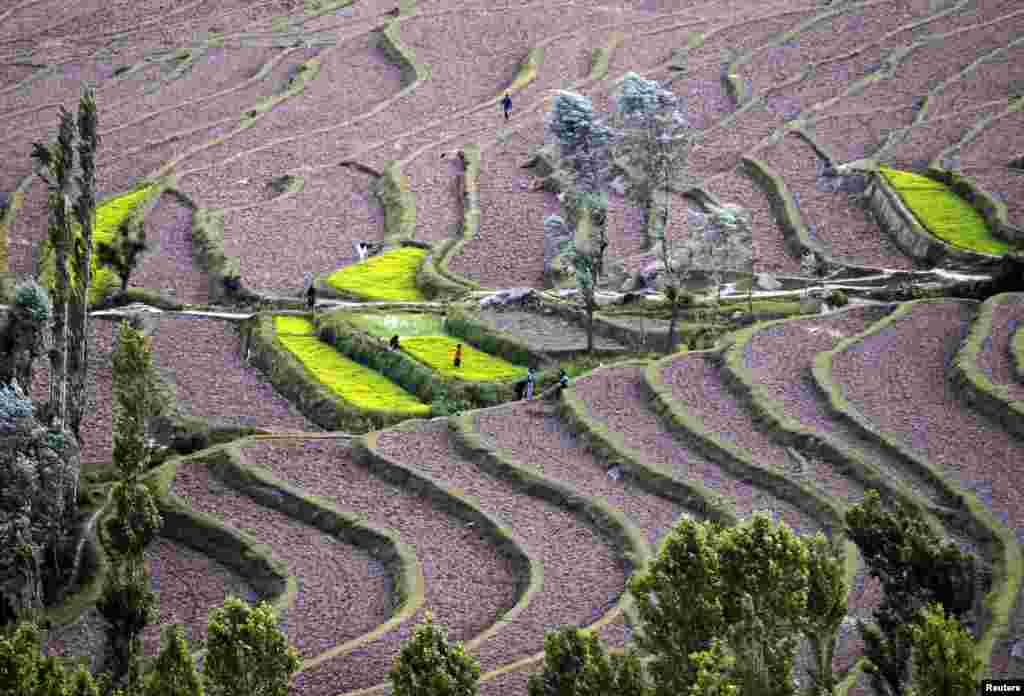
(311,298)
(506,105)
(529,383)
(457,358)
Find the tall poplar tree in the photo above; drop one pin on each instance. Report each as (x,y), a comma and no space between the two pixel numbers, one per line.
(85,214)
(56,165)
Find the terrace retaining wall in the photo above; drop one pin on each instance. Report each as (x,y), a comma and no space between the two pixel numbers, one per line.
(910,236)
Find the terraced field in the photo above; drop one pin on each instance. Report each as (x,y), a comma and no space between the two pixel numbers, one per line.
(287,132)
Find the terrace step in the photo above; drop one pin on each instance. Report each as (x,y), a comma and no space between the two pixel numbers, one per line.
(472,576)
(914,409)
(984,364)
(316,615)
(547,332)
(614,403)
(585,556)
(771,364)
(533,435)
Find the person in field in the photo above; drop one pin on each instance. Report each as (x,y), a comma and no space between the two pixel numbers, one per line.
(506,104)
(457,357)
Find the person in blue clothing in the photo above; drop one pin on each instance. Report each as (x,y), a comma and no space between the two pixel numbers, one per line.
(506,105)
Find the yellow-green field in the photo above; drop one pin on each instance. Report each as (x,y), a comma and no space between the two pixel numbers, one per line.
(477,366)
(109,215)
(389,276)
(943,213)
(356,384)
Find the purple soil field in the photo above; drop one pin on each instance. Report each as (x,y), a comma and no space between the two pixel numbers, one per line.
(188,584)
(571,553)
(169,266)
(467,582)
(201,358)
(511,220)
(769,242)
(854,135)
(531,434)
(847,231)
(994,359)
(616,398)
(176,89)
(992,80)
(342,591)
(916,148)
(911,400)
(779,359)
(696,385)
(310,232)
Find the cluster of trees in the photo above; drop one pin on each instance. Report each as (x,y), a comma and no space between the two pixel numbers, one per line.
(724,610)
(246,655)
(649,139)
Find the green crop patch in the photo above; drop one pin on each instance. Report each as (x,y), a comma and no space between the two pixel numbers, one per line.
(388,325)
(356,384)
(389,276)
(438,352)
(943,213)
(109,215)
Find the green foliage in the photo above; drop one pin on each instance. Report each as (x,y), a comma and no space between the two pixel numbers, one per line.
(123,253)
(826,608)
(748,585)
(576,662)
(33,299)
(713,668)
(138,399)
(428,665)
(915,567)
(837,298)
(129,604)
(388,276)
(110,216)
(943,652)
(174,672)
(943,213)
(357,384)
(135,522)
(19,661)
(25,671)
(247,654)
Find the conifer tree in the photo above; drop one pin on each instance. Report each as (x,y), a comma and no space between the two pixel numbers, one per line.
(174,672)
(428,665)
(247,654)
(85,214)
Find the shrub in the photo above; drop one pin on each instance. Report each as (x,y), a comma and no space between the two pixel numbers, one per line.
(34,300)
(837,298)
(14,406)
(389,276)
